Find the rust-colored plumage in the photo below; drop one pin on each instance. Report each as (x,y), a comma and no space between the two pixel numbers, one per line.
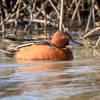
(45,52)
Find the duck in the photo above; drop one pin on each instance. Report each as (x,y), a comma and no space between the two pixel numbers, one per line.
(55,50)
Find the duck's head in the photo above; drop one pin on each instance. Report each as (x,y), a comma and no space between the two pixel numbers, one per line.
(61,39)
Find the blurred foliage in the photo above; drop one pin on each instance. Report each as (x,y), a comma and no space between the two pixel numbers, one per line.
(89,1)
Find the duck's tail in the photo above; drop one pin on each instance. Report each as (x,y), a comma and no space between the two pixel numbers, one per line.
(9,52)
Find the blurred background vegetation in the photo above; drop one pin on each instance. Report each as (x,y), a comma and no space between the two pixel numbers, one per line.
(33,15)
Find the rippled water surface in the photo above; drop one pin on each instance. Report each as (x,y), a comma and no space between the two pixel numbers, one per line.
(78,79)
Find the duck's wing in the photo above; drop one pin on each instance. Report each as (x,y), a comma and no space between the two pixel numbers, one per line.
(11,51)
(36,42)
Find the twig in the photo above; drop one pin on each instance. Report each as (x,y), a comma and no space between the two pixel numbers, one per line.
(45,19)
(93,15)
(37,14)
(71,5)
(78,14)
(2,20)
(97,42)
(54,8)
(15,6)
(73,16)
(48,17)
(31,17)
(89,18)
(13,15)
(36,21)
(61,15)
(17,15)
(92,31)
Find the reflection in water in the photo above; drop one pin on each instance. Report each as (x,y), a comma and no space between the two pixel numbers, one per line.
(51,80)
(35,76)
(96,52)
(43,66)
(8,86)
(46,75)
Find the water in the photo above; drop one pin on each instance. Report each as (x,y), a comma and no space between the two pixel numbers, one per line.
(78,79)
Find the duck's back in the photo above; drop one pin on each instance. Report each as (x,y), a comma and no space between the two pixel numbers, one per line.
(44,52)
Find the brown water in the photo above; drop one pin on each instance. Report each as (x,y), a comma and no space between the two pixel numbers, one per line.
(78,79)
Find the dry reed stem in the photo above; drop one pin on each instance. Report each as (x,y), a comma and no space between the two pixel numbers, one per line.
(97,42)
(2,20)
(89,17)
(17,15)
(13,9)
(78,14)
(61,15)
(12,15)
(92,31)
(76,9)
(45,19)
(54,8)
